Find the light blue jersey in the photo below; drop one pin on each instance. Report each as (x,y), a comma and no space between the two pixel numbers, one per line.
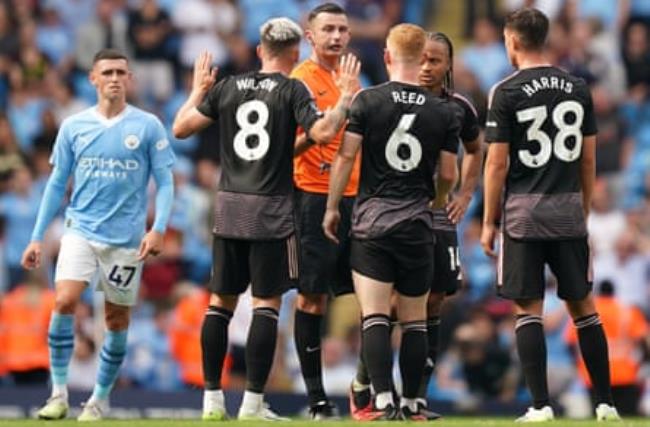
(110,161)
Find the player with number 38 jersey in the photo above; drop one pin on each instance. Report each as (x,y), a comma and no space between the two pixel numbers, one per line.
(552,112)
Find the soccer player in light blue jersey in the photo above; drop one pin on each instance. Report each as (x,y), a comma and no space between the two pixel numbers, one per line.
(110,151)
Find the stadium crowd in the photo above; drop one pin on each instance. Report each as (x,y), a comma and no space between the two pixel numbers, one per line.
(46,49)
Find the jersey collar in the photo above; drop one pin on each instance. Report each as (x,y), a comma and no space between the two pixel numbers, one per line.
(113,120)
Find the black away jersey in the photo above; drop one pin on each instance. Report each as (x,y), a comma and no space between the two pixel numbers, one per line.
(543,113)
(404,127)
(257,115)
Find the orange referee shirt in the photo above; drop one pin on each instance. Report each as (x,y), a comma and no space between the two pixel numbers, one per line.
(308,174)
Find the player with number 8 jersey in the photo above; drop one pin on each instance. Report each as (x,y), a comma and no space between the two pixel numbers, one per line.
(255,233)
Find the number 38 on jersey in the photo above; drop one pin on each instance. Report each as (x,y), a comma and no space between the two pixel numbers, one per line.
(558,146)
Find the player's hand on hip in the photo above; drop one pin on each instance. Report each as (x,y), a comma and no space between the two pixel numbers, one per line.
(457,207)
(31,256)
(348,77)
(488,234)
(151,244)
(331,221)
(204,74)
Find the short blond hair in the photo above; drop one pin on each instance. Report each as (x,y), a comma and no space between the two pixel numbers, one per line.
(405,42)
(277,34)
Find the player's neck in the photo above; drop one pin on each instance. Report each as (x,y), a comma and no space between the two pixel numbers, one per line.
(110,109)
(533,60)
(276,65)
(329,63)
(406,75)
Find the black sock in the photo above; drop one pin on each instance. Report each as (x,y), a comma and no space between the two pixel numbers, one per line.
(433,337)
(412,356)
(593,346)
(260,348)
(377,352)
(214,344)
(307,329)
(531,346)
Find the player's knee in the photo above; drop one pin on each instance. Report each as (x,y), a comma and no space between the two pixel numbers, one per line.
(117,319)
(312,303)
(229,302)
(582,308)
(65,304)
(271,302)
(434,304)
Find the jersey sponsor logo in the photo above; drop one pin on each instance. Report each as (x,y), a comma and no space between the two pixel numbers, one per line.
(162,144)
(98,167)
(132,142)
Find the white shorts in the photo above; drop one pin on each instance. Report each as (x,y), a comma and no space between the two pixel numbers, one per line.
(117,269)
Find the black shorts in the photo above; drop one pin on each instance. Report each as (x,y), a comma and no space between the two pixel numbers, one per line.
(325,266)
(270,266)
(521,268)
(403,257)
(447,275)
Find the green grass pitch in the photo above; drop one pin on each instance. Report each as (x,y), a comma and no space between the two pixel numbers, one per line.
(447,421)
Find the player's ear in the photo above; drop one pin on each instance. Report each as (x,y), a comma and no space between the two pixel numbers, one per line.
(387,58)
(259,51)
(309,35)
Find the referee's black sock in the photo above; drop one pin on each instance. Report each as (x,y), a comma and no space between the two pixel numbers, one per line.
(593,346)
(377,352)
(214,343)
(307,328)
(260,348)
(412,356)
(531,346)
(433,336)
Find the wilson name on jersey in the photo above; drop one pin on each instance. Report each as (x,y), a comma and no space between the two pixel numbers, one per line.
(544,114)
(257,115)
(404,127)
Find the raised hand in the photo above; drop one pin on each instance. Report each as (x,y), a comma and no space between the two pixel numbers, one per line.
(347,79)
(204,75)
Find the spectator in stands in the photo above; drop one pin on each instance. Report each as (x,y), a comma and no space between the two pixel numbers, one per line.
(625,329)
(107,29)
(25,316)
(606,223)
(627,269)
(149,33)
(19,208)
(205,25)
(83,365)
(54,39)
(10,156)
(485,56)
(370,21)
(636,55)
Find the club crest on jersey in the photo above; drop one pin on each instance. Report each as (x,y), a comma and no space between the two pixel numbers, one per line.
(131,142)
(160,145)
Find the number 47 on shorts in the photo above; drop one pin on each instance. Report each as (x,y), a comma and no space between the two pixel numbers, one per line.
(120,276)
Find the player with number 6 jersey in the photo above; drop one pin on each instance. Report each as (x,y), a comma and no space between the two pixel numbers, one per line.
(403,131)
(255,233)
(542,134)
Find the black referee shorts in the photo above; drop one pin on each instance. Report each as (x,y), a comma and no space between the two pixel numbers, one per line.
(324,265)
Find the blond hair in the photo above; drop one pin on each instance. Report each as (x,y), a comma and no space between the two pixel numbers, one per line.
(405,42)
(277,34)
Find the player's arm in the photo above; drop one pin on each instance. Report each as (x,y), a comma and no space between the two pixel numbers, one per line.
(152,242)
(189,119)
(339,177)
(496,169)
(469,177)
(588,171)
(62,158)
(498,133)
(325,129)
(445,178)
(302,144)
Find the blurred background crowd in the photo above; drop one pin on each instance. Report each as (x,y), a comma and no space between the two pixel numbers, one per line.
(46,49)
